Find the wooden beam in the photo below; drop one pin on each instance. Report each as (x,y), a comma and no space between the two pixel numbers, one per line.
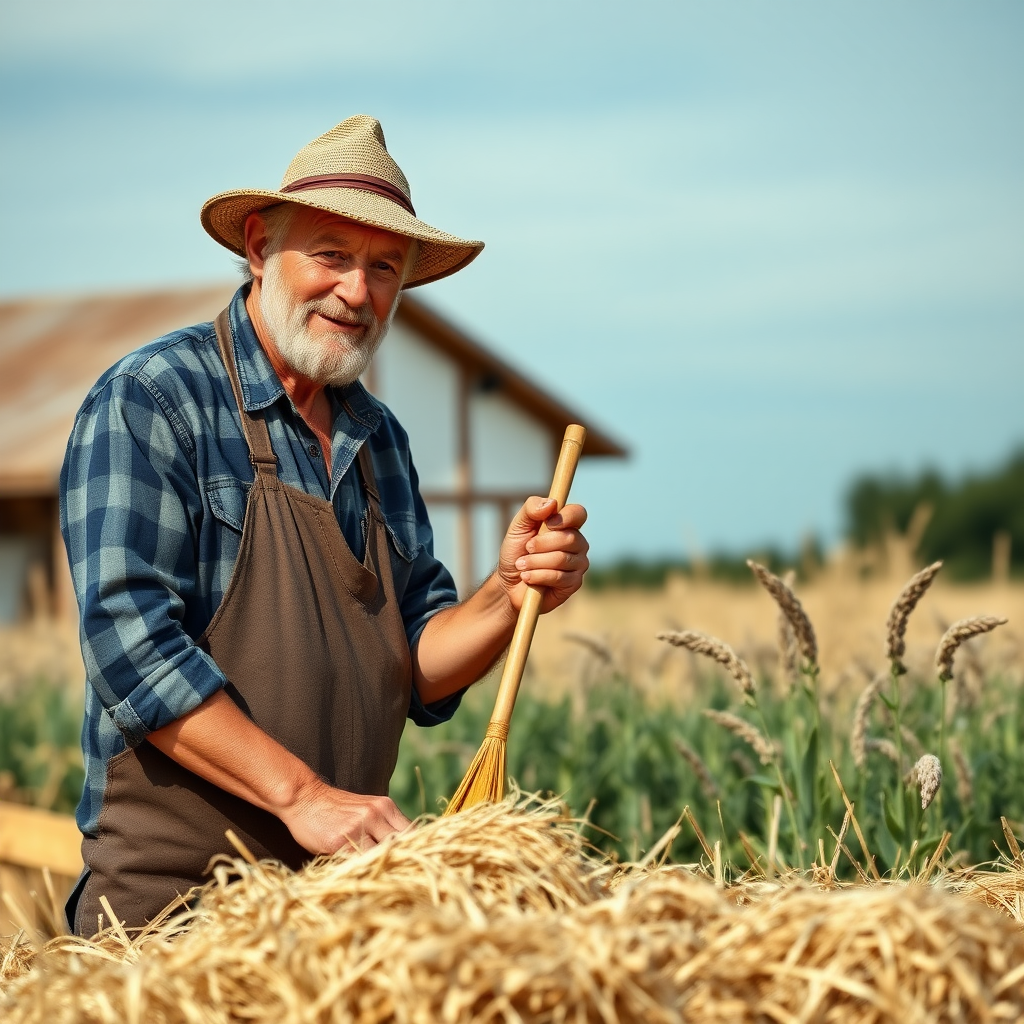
(500,498)
(33,838)
(29,483)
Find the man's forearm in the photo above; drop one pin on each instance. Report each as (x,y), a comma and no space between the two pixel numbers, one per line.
(219,743)
(458,645)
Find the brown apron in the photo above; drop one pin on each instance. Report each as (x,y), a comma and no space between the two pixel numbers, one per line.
(314,649)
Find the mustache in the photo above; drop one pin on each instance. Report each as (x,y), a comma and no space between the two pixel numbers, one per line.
(361,317)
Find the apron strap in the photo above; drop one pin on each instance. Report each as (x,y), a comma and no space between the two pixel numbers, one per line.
(257,437)
(366,472)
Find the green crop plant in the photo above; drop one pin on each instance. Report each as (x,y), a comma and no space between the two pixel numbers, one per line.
(775,781)
(40,749)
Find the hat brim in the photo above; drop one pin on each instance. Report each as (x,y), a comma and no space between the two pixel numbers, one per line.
(440,254)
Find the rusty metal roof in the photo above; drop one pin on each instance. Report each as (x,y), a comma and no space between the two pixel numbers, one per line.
(53,349)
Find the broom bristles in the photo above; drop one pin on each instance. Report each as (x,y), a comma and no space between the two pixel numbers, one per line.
(484,781)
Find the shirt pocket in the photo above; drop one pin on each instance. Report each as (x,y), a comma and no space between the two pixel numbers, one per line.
(227,498)
(403,534)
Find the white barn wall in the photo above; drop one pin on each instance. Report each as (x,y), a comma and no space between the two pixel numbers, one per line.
(444,521)
(510,451)
(488,529)
(420,385)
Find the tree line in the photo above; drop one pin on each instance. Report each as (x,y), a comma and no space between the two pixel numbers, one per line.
(975,524)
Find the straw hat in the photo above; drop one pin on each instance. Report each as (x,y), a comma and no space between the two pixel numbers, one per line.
(347,171)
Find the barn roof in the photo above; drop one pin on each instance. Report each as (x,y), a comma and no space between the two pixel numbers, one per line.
(52,350)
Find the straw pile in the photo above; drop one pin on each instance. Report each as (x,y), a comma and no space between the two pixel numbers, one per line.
(499,914)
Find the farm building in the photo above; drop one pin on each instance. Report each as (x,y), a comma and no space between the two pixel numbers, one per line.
(483,435)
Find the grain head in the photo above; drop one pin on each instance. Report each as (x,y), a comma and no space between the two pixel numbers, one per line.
(899,614)
(956,635)
(790,607)
(712,647)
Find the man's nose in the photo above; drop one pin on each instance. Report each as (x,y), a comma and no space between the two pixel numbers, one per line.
(351,286)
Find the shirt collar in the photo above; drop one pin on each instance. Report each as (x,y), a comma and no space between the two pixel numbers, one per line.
(261,386)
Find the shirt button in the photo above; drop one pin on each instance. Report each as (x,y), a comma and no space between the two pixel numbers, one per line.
(314,451)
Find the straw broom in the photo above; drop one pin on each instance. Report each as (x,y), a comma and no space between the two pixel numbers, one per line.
(485,779)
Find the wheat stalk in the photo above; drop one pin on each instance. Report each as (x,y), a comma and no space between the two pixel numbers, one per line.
(964,775)
(745,765)
(910,741)
(861,714)
(791,608)
(712,647)
(750,734)
(594,644)
(926,775)
(700,769)
(884,747)
(956,635)
(899,614)
(788,648)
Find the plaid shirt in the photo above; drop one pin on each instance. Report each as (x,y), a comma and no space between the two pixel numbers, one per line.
(152,499)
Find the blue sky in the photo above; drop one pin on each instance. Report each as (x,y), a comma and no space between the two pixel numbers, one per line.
(769,246)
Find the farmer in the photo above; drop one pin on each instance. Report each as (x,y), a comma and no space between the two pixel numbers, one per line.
(260,605)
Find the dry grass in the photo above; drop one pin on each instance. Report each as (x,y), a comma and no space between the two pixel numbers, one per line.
(499,914)
(40,649)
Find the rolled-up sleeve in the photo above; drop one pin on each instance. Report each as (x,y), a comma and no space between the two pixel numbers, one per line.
(129,505)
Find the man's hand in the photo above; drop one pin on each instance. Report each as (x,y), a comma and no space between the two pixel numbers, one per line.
(555,559)
(324,819)
(221,744)
(459,644)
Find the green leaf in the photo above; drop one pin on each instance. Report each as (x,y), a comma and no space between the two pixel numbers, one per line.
(809,777)
(894,827)
(766,781)
(926,847)
(886,846)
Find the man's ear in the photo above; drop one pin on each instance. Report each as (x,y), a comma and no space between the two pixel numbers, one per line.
(255,243)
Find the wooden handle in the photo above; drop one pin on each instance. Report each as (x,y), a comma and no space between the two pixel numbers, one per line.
(515,660)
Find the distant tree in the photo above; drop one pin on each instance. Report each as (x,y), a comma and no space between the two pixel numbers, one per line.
(966,516)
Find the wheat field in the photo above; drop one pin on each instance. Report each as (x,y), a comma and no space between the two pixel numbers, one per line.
(848,611)
(800,897)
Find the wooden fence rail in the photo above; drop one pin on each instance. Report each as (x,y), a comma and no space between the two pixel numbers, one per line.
(40,859)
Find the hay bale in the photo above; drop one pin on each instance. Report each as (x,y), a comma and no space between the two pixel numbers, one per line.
(500,914)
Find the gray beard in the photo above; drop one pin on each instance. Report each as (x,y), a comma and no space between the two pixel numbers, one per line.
(320,361)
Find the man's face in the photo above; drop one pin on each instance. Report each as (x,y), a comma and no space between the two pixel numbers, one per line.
(327,293)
